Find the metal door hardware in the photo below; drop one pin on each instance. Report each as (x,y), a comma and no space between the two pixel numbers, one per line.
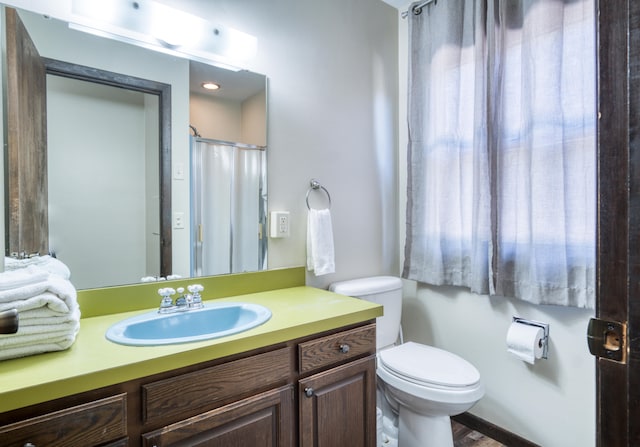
(607,339)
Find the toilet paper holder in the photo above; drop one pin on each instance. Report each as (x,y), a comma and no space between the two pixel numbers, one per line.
(544,326)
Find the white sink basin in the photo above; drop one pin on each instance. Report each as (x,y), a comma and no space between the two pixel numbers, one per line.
(212,321)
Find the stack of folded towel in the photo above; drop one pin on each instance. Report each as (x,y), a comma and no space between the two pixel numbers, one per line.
(47,305)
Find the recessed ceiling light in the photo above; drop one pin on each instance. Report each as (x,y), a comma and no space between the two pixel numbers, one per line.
(210,85)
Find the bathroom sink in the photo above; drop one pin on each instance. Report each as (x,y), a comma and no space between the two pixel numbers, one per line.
(212,321)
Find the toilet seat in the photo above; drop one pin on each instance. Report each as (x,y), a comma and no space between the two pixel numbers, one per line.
(424,377)
(428,366)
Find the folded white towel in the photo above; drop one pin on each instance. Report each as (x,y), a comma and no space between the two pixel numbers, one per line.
(47,263)
(46,301)
(15,279)
(46,317)
(21,290)
(48,312)
(39,333)
(50,344)
(32,335)
(320,251)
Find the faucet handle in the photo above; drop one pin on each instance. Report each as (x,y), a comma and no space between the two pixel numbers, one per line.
(195,290)
(166,293)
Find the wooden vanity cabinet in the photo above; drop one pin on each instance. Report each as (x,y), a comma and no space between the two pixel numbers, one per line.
(315,391)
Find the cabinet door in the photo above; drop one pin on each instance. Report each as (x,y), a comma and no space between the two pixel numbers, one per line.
(264,420)
(338,406)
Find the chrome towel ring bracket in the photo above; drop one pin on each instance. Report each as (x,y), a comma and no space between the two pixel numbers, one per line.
(315,185)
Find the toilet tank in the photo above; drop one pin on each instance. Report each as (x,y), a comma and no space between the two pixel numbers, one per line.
(384,290)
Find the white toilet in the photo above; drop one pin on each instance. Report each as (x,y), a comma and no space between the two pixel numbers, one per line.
(422,384)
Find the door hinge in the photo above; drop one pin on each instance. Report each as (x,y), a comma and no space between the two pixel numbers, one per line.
(607,339)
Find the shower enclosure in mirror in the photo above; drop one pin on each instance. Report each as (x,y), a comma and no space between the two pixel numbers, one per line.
(228,172)
(228,207)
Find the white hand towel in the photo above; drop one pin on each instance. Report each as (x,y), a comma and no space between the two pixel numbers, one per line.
(320,251)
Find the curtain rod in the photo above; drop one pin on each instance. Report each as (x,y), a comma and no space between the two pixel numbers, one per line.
(230,143)
(417,9)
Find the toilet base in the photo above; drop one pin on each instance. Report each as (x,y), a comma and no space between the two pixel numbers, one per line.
(418,430)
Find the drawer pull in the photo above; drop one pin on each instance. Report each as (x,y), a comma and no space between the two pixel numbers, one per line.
(308,392)
(344,348)
(28,444)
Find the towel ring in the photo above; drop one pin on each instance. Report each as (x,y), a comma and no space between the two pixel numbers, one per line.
(313,186)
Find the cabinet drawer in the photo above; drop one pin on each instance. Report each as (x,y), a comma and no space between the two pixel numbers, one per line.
(92,423)
(336,348)
(201,390)
(265,419)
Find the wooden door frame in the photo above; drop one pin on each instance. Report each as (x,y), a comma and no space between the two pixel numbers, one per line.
(618,238)
(27,218)
(163,92)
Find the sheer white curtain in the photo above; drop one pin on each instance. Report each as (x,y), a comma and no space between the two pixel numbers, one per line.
(448,228)
(501,187)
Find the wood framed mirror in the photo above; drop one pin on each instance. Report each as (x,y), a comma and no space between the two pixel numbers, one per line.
(27,161)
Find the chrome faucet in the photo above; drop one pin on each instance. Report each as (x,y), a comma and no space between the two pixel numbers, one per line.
(183,302)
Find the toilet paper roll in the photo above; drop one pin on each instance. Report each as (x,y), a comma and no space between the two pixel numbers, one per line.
(525,341)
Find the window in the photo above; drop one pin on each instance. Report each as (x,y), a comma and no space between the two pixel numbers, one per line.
(501,177)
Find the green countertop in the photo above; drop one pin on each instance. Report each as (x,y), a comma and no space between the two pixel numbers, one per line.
(93,361)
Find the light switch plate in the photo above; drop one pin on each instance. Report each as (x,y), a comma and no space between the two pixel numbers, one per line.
(178,220)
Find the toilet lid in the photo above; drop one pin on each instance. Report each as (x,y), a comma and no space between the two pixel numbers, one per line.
(428,365)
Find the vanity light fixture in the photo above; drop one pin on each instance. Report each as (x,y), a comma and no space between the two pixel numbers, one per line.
(210,86)
(153,25)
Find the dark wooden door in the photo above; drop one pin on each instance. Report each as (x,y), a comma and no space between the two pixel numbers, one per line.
(338,406)
(618,249)
(26,170)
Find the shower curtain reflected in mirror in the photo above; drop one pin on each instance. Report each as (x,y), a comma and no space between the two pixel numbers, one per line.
(228,207)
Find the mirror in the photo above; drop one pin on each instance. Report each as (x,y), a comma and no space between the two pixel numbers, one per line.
(211,117)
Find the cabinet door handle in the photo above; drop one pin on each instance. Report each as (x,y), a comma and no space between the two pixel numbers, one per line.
(344,348)
(28,444)
(308,392)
